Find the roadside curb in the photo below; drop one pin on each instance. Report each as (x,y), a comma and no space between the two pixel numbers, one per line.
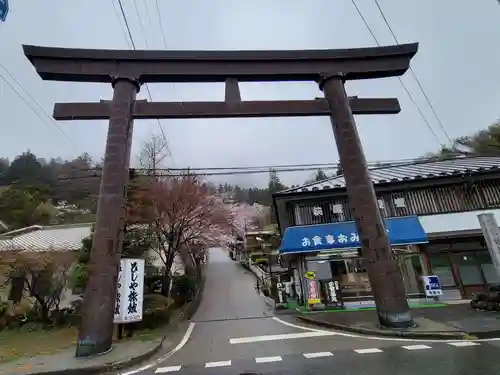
(107,367)
(388,333)
(186,313)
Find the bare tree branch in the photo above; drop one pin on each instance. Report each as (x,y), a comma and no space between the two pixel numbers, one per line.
(153,152)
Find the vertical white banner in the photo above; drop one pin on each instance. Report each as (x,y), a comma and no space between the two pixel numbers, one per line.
(120,289)
(133,295)
(491,233)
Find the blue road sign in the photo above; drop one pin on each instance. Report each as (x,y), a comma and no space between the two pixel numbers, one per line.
(4,9)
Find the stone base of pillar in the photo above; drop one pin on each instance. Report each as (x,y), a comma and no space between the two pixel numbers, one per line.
(395,320)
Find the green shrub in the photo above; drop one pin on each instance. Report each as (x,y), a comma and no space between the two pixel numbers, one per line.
(156,311)
(79,277)
(183,289)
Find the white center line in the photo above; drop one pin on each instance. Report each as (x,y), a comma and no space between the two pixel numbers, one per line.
(161,370)
(318,354)
(368,351)
(218,364)
(416,347)
(268,359)
(285,336)
(463,343)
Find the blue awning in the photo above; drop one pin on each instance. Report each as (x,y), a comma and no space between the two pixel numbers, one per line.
(312,238)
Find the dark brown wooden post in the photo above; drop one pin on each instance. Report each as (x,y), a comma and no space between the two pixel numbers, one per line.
(96,330)
(385,276)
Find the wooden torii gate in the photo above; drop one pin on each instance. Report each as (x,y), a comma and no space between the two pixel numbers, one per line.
(128,70)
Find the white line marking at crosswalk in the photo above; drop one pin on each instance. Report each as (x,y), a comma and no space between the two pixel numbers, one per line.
(368,351)
(463,343)
(268,359)
(416,347)
(318,354)
(162,370)
(284,336)
(218,364)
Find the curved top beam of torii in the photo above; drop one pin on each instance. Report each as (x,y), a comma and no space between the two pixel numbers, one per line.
(93,65)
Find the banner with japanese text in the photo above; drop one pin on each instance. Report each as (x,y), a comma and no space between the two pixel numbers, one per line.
(130,291)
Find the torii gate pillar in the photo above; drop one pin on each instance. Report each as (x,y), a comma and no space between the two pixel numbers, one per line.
(99,306)
(375,245)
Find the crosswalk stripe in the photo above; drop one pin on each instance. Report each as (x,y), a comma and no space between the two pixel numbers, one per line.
(368,351)
(161,370)
(218,364)
(268,359)
(318,354)
(416,347)
(463,343)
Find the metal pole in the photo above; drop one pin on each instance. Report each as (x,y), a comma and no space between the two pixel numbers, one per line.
(96,330)
(385,277)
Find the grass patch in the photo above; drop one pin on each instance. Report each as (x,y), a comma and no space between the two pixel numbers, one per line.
(15,344)
(305,310)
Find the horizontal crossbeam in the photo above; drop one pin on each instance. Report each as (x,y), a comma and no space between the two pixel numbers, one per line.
(91,65)
(245,109)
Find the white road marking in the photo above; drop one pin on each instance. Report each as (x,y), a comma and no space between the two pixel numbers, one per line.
(463,343)
(218,364)
(366,337)
(162,370)
(183,342)
(318,355)
(268,359)
(284,336)
(416,347)
(298,326)
(368,351)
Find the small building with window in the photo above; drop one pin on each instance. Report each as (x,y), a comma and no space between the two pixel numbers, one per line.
(432,208)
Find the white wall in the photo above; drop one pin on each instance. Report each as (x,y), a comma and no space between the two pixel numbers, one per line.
(454,221)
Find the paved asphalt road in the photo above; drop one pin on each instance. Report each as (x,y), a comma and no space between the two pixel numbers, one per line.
(235,332)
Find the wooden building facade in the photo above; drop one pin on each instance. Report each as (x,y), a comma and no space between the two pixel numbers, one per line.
(446,196)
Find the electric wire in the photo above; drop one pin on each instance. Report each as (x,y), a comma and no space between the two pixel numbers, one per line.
(229,171)
(11,86)
(127,26)
(431,106)
(399,78)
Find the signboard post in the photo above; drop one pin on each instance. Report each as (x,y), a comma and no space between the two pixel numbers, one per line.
(432,286)
(312,289)
(4,9)
(130,291)
(491,233)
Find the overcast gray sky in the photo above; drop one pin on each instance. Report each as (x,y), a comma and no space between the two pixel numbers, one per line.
(457,64)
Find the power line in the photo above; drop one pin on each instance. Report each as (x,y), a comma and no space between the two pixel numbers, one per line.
(414,75)
(215,171)
(141,24)
(161,24)
(34,101)
(399,78)
(134,47)
(120,21)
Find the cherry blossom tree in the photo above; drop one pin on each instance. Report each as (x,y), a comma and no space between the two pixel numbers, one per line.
(248,217)
(183,216)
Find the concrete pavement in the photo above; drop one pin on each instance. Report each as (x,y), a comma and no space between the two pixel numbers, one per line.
(442,359)
(234,331)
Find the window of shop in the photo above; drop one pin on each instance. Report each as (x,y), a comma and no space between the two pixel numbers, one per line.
(353,279)
(441,266)
(469,269)
(412,269)
(490,273)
